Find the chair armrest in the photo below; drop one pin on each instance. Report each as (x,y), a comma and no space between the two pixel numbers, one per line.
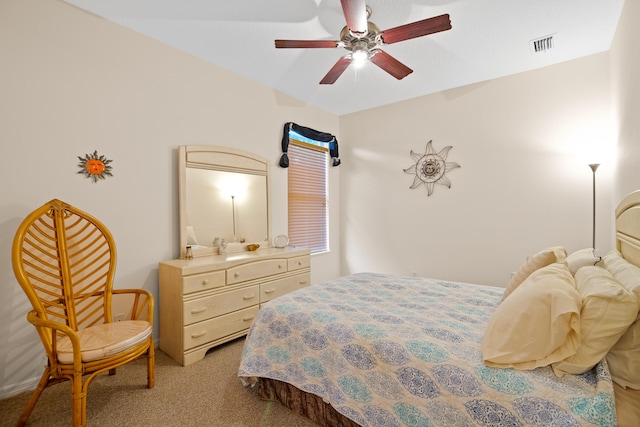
(50,341)
(142,301)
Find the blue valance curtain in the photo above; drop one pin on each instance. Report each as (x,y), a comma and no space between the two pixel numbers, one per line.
(311,134)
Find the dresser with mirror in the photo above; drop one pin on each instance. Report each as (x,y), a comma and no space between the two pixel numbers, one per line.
(211,294)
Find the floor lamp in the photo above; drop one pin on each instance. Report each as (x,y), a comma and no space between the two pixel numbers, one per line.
(233,216)
(594,167)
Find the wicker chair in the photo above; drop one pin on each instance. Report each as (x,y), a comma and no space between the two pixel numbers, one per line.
(65,260)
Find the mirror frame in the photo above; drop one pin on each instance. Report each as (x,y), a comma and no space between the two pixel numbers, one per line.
(220,159)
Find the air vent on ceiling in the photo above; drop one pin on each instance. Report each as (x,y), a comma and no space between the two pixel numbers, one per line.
(543,44)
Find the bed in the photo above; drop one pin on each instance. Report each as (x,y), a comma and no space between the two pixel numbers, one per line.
(381,350)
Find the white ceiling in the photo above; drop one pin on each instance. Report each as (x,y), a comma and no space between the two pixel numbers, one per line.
(488,39)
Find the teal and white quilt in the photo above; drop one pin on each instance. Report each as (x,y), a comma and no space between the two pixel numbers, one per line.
(405,351)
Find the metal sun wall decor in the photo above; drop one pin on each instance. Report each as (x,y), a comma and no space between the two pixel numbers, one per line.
(430,168)
(94,167)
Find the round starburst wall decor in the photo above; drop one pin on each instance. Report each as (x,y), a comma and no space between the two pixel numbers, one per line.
(94,167)
(431,168)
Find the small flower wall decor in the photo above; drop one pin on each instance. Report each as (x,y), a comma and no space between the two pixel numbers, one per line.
(94,167)
(430,168)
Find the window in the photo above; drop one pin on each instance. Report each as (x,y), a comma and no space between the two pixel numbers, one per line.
(306,153)
(308,201)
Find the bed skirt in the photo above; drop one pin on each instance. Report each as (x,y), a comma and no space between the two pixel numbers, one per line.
(307,405)
(315,409)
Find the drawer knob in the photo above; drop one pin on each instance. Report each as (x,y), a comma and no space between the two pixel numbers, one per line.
(205,282)
(303,282)
(247,297)
(269,291)
(198,334)
(198,310)
(299,262)
(236,274)
(280,266)
(246,319)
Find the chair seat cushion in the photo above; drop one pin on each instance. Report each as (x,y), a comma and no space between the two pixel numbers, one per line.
(105,340)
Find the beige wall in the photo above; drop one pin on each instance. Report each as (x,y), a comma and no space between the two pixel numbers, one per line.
(524,183)
(72,83)
(625,66)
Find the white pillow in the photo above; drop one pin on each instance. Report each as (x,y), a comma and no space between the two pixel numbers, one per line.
(626,273)
(538,324)
(541,259)
(607,311)
(582,258)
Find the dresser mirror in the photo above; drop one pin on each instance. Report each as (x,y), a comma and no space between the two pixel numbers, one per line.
(224,194)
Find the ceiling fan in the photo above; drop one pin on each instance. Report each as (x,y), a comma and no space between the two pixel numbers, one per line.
(364,39)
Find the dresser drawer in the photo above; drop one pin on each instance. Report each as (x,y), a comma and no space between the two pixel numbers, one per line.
(202,282)
(255,270)
(298,263)
(215,305)
(212,329)
(276,288)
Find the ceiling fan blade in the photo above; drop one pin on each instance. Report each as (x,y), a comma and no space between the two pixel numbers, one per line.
(355,12)
(416,29)
(306,43)
(336,71)
(391,65)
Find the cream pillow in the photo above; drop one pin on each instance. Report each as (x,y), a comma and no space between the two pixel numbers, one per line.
(624,357)
(582,258)
(539,260)
(538,324)
(607,311)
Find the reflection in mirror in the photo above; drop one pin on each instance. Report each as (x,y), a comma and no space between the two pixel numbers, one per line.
(227,205)
(224,193)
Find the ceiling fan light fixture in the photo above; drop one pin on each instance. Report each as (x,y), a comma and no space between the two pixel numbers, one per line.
(362,38)
(360,55)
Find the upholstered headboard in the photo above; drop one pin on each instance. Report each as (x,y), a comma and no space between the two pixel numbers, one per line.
(628,227)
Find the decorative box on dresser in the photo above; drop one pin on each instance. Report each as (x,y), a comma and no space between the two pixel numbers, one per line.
(209,300)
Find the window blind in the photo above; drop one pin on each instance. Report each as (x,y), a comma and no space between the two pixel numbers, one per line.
(307,178)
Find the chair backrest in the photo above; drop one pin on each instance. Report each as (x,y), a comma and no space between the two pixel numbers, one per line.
(64,259)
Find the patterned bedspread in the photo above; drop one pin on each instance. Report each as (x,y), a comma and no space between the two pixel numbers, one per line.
(404,351)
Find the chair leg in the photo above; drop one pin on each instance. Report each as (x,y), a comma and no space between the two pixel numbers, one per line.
(44,380)
(78,401)
(151,366)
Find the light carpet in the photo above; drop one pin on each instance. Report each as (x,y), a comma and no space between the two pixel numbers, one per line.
(206,393)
